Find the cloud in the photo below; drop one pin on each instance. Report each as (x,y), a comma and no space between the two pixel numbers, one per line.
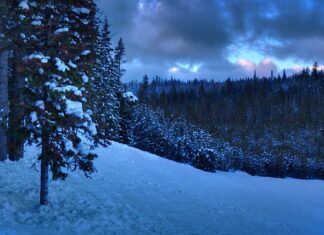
(175,28)
(120,14)
(160,34)
(263,68)
(307,49)
(285,29)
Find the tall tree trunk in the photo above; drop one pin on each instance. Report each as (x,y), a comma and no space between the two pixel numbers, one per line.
(44,182)
(4,106)
(16,114)
(45,137)
(44,174)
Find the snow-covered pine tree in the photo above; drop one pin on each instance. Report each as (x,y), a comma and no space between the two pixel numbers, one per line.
(144,89)
(104,100)
(119,71)
(119,59)
(125,104)
(149,131)
(4,104)
(56,69)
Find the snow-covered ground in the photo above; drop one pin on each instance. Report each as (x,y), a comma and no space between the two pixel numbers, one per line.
(134,192)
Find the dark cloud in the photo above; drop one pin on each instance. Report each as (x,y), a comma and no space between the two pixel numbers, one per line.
(159,34)
(287,29)
(308,49)
(119,12)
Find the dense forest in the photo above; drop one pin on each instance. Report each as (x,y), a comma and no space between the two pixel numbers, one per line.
(61,89)
(275,123)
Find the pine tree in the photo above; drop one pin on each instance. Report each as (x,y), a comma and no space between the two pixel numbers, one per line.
(284,75)
(127,104)
(118,70)
(314,74)
(119,59)
(108,101)
(143,90)
(124,104)
(104,101)
(56,68)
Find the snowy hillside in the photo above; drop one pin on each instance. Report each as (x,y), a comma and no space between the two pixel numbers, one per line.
(134,192)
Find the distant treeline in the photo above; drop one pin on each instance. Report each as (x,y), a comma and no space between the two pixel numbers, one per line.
(277,116)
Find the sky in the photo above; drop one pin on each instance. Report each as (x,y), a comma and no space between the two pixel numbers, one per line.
(217,39)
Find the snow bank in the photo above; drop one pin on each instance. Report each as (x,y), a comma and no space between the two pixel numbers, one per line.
(134,192)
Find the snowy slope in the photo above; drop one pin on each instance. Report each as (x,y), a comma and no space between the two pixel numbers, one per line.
(134,192)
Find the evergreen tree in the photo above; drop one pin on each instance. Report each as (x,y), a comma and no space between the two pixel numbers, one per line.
(143,90)
(126,109)
(274,123)
(105,88)
(119,71)
(284,76)
(119,59)
(254,75)
(314,74)
(56,70)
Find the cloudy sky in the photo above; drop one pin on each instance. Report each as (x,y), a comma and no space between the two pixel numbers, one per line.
(217,39)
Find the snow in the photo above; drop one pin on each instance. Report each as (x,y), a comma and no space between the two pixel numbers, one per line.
(40,104)
(85,78)
(44,59)
(84,21)
(36,22)
(92,128)
(74,108)
(72,65)
(24,5)
(68,144)
(84,147)
(134,192)
(61,66)
(76,91)
(62,30)
(33,116)
(22,17)
(80,10)
(130,96)
(86,52)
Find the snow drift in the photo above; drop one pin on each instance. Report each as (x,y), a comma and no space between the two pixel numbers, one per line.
(135,192)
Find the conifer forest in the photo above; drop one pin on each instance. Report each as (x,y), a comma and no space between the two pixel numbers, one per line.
(161,117)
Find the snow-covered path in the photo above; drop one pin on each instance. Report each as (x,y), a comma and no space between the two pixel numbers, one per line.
(134,192)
